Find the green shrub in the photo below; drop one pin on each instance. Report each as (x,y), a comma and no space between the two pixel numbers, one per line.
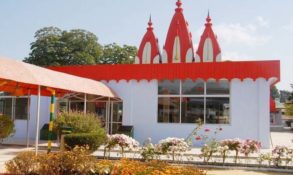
(78,122)
(23,163)
(91,140)
(6,127)
(76,162)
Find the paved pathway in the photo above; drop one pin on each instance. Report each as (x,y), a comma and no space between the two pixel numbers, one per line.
(242,172)
(9,152)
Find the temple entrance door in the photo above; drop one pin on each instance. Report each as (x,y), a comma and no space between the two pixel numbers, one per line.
(110,114)
(115,119)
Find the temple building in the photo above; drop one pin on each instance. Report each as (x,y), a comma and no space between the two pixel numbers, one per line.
(168,89)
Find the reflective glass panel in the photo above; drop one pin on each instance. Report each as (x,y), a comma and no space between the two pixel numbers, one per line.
(217,110)
(6,106)
(190,87)
(218,87)
(192,109)
(21,108)
(169,109)
(167,87)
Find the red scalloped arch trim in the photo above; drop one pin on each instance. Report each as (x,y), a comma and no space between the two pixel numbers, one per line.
(216,70)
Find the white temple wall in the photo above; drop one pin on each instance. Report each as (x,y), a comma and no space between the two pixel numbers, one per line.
(249,111)
(21,125)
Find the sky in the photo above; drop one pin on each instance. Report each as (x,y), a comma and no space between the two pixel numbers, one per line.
(246,29)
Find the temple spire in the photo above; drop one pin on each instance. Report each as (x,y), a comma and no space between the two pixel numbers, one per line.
(150,24)
(208,19)
(208,48)
(178,3)
(148,52)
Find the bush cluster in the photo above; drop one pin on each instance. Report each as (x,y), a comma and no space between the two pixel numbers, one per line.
(6,127)
(92,140)
(76,161)
(85,130)
(79,162)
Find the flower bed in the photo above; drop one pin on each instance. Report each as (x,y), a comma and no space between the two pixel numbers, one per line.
(78,161)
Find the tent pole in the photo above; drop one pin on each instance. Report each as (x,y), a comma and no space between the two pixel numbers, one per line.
(28,118)
(84,106)
(52,112)
(108,118)
(38,120)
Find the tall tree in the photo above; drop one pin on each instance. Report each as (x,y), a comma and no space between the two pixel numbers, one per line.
(115,54)
(56,47)
(275,92)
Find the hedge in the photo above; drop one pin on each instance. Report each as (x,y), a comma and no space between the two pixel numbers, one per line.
(92,140)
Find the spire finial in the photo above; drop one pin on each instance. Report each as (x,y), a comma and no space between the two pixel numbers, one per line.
(150,24)
(179,3)
(208,19)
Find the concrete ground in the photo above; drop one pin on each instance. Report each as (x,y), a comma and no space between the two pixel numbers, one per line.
(284,138)
(243,172)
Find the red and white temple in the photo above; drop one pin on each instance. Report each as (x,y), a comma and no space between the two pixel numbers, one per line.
(164,93)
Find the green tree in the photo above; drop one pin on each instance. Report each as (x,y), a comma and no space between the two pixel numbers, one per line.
(289,109)
(115,54)
(55,47)
(6,127)
(275,92)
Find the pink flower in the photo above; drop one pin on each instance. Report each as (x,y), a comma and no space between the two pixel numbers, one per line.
(207,130)
(198,138)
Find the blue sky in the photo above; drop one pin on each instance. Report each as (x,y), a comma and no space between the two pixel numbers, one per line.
(246,29)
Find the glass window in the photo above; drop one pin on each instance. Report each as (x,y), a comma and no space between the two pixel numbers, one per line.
(192,109)
(217,87)
(167,87)
(6,106)
(193,87)
(21,108)
(76,106)
(117,112)
(168,109)
(178,99)
(217,110)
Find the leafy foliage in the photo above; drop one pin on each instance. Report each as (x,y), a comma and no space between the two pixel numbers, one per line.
(289,109)
(23,163)
(275,92)
(56,47)
(76,161)
(6,127)
(115,54)
(79,162)
(78,122)
(92,140)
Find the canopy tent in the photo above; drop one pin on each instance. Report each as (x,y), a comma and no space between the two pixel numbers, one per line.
(19,78)
(16,74)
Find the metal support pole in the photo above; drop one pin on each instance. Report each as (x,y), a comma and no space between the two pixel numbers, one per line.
(108,116)
(38,120)
(84,106)
(52,112)
(28,119)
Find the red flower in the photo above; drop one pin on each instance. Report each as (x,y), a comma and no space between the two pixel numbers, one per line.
(198,138)
(207,130)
